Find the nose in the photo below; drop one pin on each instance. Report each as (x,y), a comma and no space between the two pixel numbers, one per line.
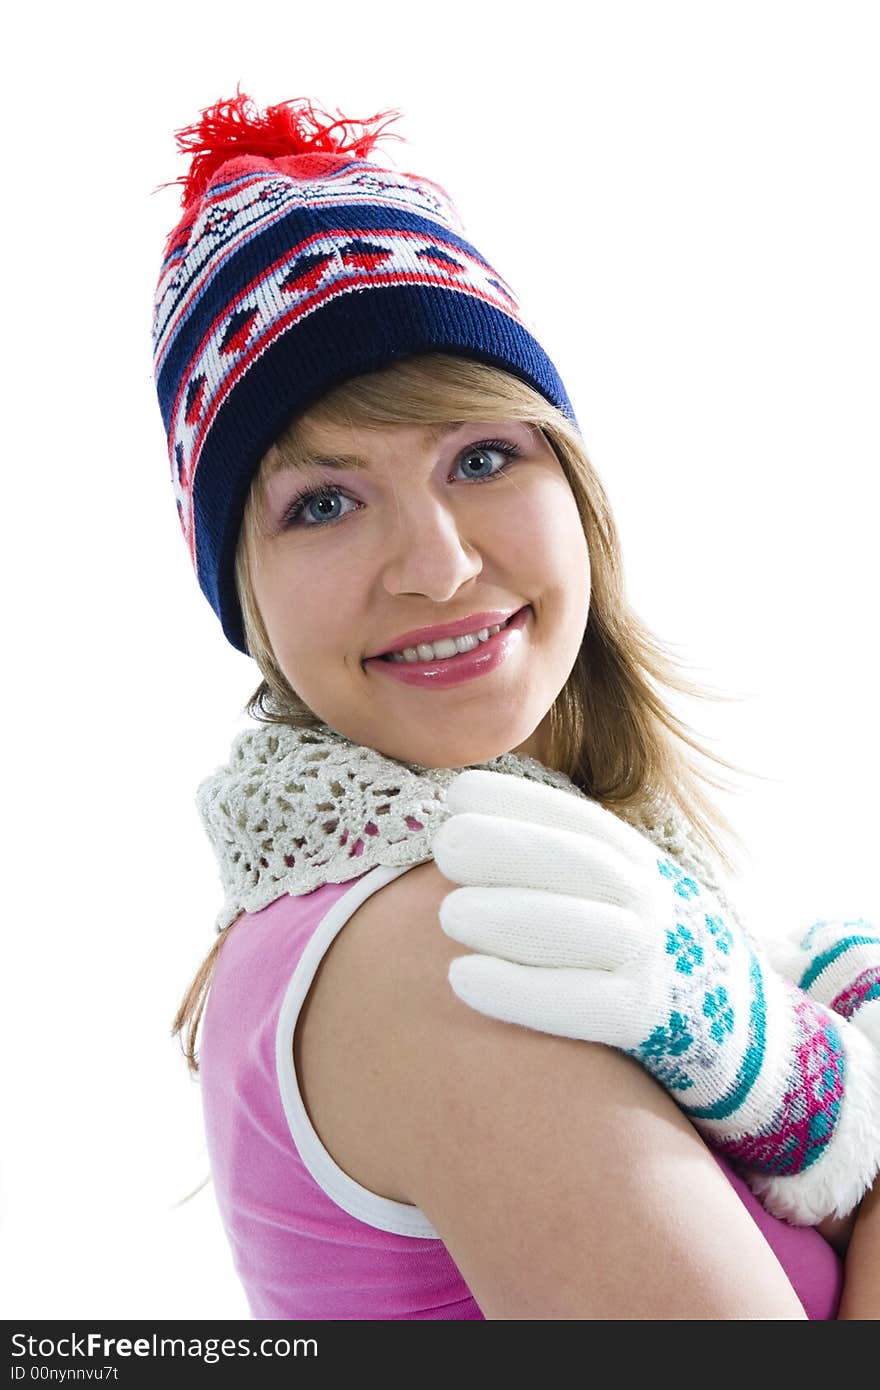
(428,554)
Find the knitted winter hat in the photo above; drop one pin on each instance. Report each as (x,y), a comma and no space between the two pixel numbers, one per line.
(296,265)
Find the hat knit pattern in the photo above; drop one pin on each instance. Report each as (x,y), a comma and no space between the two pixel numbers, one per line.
(297,264)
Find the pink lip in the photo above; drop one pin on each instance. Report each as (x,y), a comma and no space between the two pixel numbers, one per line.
(440,675)
(472,623)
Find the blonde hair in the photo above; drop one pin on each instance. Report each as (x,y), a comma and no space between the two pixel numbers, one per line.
(611,731)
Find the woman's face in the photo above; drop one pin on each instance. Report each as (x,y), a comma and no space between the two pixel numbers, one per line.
(417,527)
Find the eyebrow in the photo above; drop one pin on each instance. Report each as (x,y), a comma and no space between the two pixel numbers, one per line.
(359,465)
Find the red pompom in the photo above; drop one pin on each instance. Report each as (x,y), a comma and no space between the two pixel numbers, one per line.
(235,127)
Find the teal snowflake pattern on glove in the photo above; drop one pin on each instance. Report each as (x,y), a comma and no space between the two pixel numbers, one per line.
(682,884)
(687,951)
(717,1008)
(667,1041)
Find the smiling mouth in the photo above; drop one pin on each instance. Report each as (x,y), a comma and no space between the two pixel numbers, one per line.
(451,646)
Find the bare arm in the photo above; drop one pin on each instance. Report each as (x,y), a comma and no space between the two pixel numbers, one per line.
(861,1289)
(565,1183)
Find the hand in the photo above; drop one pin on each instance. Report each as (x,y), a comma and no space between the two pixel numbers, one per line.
(838,963)
(582,927)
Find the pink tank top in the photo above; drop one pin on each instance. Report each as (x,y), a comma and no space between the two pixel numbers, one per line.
(307,1241)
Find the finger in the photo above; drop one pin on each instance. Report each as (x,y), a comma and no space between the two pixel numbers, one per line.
(516,798)
(537,928)
(568,1003)
(476,849)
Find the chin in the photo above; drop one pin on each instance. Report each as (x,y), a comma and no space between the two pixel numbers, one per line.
(453,751)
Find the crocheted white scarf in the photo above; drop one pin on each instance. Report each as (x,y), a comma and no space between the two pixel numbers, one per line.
(295,809)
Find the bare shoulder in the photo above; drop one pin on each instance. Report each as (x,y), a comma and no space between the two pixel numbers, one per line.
(358,1015)
(564,1182)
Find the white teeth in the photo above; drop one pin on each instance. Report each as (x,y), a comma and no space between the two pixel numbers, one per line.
(447,646)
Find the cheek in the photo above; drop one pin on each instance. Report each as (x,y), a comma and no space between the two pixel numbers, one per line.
(560,564)
(281,591)
(553,543)
(304,611)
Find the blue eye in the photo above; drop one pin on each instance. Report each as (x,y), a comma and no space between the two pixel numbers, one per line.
(489,446)
(324,498)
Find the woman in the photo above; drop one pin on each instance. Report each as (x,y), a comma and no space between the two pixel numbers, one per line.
(326,337)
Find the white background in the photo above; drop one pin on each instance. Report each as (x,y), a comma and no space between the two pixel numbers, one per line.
(685,196)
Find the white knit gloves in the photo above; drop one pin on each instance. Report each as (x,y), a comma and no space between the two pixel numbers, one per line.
(583,928)
(838,963)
